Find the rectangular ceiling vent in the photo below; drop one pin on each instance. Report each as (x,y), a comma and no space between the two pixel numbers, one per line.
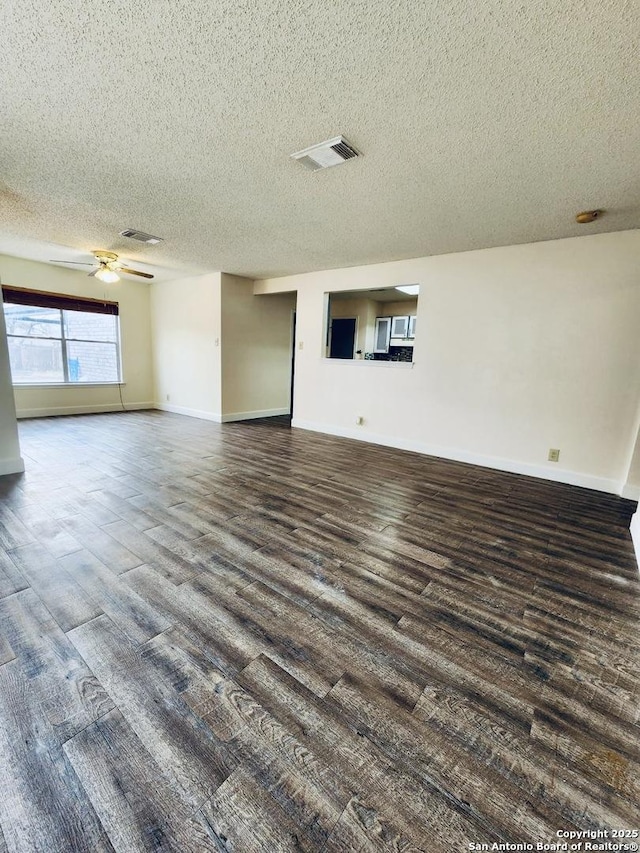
(140,236)
(325,154)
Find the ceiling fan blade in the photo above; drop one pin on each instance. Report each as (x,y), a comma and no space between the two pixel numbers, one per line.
(76,263)
(135,272)
(93,272)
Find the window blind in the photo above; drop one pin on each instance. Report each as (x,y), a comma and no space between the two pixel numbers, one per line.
(62,301)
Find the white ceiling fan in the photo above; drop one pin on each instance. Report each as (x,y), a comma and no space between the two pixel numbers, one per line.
(106,266)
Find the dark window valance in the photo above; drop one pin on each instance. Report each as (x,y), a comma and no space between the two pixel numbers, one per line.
(42,299)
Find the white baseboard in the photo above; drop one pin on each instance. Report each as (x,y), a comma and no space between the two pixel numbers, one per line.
(247,416)
(220,419)
(11,466)
(95,409)
(191,413)
(630,492)
(560,475)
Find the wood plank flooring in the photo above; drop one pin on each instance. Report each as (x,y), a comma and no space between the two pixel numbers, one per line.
(244,638)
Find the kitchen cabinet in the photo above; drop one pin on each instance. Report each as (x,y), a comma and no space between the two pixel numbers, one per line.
(382,334)
(399,327)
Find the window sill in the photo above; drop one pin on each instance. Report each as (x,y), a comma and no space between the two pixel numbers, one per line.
(22,385)
(361,362)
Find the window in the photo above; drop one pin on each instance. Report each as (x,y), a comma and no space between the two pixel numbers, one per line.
(376,325)
(58,339)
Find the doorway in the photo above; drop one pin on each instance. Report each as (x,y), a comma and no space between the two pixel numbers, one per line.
(343,337)
(293,361)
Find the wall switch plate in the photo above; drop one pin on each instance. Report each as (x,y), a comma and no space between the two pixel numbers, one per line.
(554,454)
(168,397)
(359,420)
(301,345)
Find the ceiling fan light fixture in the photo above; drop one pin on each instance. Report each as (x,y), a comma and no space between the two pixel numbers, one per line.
(106,267)
(107,276)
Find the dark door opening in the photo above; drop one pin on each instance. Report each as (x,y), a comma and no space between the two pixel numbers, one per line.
(293,361)
(343,336)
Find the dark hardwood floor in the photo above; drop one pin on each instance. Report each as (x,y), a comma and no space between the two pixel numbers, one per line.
(245,638)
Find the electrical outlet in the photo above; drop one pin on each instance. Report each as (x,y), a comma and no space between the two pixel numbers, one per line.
(554,454)
(301,345)
(359,420)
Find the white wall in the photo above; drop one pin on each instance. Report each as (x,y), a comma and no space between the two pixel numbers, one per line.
(186,321)
(135,333)
(256,350)
(635,534)
(10,459)
(398,309)
(221,353)
(632,486)
(518,349)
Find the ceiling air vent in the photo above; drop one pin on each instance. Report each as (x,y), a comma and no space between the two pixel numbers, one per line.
(140,236)
(324,154)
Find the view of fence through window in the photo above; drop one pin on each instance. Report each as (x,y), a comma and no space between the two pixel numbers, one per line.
(52,345)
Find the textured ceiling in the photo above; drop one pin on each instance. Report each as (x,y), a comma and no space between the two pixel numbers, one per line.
(481,124)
